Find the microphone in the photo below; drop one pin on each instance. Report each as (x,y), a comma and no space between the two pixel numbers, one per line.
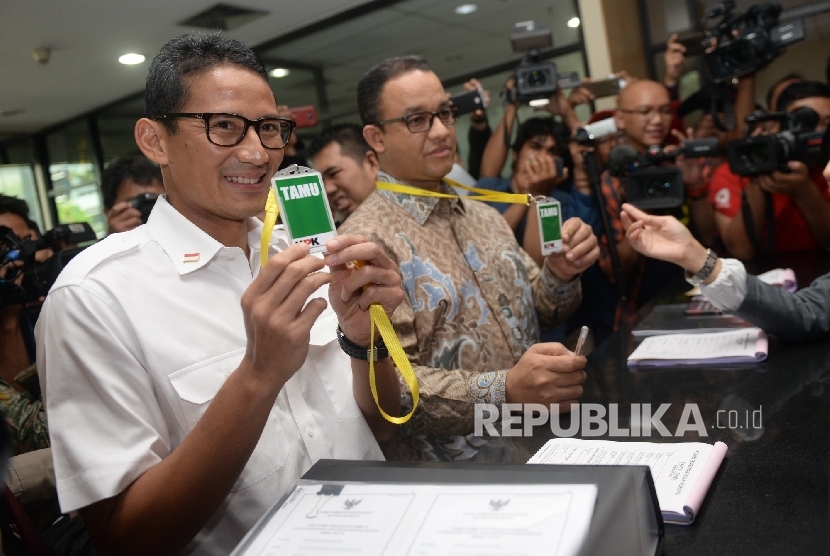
(623,159)
(595,131)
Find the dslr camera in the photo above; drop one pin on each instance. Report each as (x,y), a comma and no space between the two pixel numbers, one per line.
(764,154)
(747,42)
(649,186)
(536,80)
(37,277)
(144,203)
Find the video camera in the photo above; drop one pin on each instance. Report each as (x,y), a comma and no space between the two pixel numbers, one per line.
(764,154)
(589,134)
(648,185)
(536,80)
(747,42)
(38,277)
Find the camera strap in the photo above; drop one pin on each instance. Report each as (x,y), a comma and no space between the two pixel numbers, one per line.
(378,318)
(749,222)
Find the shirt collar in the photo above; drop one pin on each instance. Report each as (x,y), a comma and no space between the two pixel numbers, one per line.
(189,247)
(419,208)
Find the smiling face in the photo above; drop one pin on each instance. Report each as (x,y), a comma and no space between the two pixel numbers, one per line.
(418,158)
(215,186)
(347,181)
(644,114)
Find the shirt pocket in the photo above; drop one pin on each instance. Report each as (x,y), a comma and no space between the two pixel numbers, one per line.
(196,387)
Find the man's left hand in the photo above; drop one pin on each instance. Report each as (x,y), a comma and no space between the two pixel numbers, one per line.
(793,183)
(580,249)
(353,290)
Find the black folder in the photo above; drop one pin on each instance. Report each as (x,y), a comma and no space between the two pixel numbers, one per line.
(627,518)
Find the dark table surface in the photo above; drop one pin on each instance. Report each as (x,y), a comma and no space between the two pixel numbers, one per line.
(772,493)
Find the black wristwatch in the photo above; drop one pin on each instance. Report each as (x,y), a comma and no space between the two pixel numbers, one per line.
(362,353)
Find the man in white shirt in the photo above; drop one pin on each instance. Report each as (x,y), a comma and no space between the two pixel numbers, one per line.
(798,316)
(186,388)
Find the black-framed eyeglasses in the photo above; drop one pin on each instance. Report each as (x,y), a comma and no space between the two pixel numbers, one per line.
(227,130)
(419,122)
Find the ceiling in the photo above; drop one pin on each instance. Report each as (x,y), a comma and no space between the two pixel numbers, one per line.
(86,38)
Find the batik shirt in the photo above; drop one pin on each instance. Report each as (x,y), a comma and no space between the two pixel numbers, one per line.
(474,304)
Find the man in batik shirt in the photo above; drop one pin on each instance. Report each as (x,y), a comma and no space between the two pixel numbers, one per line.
(475,299)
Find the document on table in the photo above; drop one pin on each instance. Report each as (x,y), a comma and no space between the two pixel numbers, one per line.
(682,472)
(420,519)
(744,345)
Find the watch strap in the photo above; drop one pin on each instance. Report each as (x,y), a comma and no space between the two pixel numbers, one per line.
(362,353)
(702,274)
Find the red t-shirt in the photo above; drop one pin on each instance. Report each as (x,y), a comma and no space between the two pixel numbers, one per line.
(791,230)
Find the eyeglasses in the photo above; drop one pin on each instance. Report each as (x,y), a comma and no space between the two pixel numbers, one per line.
(227,130)
(419,122)
(647,112)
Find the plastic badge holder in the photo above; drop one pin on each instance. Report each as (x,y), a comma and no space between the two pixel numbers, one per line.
(304,206)
(550,226)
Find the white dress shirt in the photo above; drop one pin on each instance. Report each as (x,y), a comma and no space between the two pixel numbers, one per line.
(728,290)
(136,337)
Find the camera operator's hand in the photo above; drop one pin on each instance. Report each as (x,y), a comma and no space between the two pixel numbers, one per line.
(690,167)
(353,290)
(510,85)
(674,58)
(537,175)
(581,179)
(122,217)
(478,119)
(580,249)
(794,183)
(581,95)
(547,373)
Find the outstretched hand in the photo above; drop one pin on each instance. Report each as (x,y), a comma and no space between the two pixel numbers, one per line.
(661,237)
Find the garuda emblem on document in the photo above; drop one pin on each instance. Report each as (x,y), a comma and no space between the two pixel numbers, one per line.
(349,504)
(498,504)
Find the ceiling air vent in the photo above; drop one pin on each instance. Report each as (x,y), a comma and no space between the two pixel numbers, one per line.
(223,17)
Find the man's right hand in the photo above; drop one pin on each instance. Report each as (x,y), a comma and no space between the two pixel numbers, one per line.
(547,373)
(122,217)
(277,319)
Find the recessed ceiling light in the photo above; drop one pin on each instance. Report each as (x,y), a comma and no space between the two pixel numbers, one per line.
(131,59)
(573,22)
(465,9)
(279,72)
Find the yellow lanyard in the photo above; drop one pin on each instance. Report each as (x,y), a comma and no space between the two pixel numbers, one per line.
(378,318)
(480,194)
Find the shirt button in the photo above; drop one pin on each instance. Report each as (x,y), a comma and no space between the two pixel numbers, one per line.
(309,431)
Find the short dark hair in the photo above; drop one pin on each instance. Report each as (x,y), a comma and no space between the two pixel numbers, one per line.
(348,136)
(543,127)
(166,89)
(801,90)
(370,86)
(138,169)
(790,76)
(13,205)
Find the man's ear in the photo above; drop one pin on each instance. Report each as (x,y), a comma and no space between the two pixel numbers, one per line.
(150,138)
(374,136)
(370,160)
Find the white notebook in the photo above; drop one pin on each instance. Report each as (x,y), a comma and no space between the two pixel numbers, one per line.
(682,471)
(744,345)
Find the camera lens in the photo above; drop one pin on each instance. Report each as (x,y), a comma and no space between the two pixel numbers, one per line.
(758,155)
(657,188)
(537,78)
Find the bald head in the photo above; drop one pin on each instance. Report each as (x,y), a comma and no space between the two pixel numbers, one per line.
(644,113)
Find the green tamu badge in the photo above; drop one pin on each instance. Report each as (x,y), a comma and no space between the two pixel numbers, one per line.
(550,226)
(304,206)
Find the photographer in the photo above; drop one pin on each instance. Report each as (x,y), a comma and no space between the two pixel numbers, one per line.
(790,210)
(19,391)
(122,183)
